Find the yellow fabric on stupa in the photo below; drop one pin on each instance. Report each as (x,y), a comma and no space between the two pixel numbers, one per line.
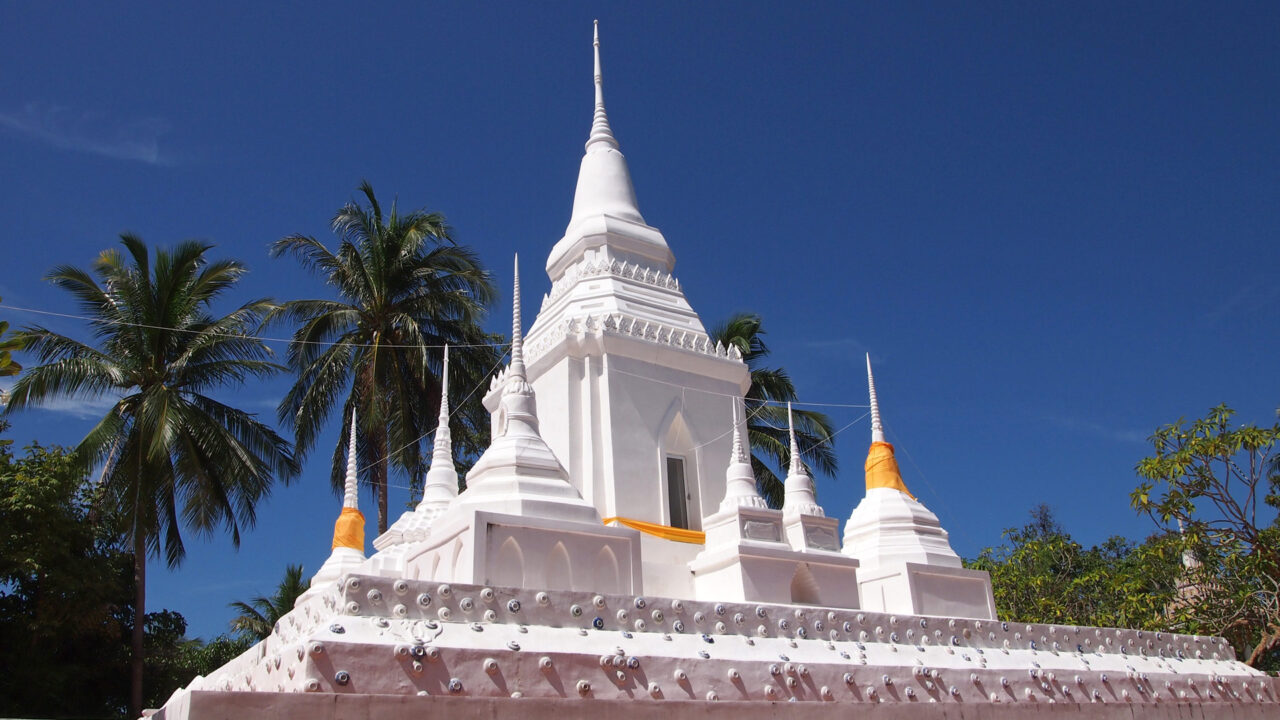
(882,469)
(348,531)
(666,532)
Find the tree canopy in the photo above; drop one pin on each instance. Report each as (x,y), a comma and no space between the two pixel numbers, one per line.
(1218,488)
(66,599)
(170,454)
(405,290)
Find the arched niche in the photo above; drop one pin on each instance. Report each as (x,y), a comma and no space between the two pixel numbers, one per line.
(557,572)
(508,566)
(458,558)
(804,588)
(604,573)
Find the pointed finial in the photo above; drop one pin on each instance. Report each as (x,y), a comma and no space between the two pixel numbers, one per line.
(444,389)
(350,494)
(600,130)
(517,338)
(796,467)
(737,455)
(877,428)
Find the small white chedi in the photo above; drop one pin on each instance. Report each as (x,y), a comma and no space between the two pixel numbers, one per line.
(611,547)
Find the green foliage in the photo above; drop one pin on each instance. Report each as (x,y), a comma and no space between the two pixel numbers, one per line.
(66,594)
(171,456)
(7,347)
(256,618)
(767,423)
(405,289)
(1220,486)
(1040,574)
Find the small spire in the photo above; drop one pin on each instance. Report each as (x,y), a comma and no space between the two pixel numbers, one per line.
(517,338)
(350,495)
(601,133)
(737,455)
(444,389)
(740,481)
(877,428)
(796,467)
(443,441)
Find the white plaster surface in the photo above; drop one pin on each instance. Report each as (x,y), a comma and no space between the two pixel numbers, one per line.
(370,637)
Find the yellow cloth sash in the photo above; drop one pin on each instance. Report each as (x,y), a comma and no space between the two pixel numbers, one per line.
(348,531)
(882,469)
(666,532)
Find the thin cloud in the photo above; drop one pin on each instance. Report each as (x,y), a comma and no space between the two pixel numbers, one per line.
(1088,427)
(846,343)
(94,133)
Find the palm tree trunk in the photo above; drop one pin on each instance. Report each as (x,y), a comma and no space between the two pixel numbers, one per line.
(380,463)
(139,618)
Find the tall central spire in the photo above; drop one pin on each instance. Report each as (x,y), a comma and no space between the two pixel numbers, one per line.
(605,195)
(600,130)
(877,428)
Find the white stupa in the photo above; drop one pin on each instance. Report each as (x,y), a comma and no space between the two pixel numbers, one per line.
(348,532)
(611,554)
(907,561)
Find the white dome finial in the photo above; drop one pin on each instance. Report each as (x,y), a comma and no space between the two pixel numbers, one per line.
(601,133)
(877,428)
(351,494)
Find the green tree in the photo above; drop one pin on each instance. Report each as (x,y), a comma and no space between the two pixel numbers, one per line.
(7,366)
(66,599)
(404,290)
(170,455)
(767,419)
(1220,488)
(256,618)
(1041,575)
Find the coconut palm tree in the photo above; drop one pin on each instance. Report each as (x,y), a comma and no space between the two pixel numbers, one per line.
(767,419)
(257,618)
(171,456)
(404,290)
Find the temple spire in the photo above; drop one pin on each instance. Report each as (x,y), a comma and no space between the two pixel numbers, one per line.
(800,496)
(740,480)
(517,336)
(877,428)
(441,484)
(738,454)
(348,531)
(351,494)
(601,133)
(444,391)
(881,467)
(796,467)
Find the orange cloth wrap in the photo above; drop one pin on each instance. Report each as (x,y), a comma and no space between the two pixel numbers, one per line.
(882,469)
(666,532)
(348,532)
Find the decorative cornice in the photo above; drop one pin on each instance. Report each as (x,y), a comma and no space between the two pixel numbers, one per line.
(620,325)
(625,270)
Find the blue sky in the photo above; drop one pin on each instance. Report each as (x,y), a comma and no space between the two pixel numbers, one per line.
(1053,226)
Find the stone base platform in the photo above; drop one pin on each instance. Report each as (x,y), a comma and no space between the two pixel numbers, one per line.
(379,647)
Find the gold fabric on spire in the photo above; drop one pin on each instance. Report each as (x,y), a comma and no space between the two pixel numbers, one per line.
(882,469)
(348,531)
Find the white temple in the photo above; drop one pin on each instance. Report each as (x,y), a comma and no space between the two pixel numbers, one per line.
(611,546)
